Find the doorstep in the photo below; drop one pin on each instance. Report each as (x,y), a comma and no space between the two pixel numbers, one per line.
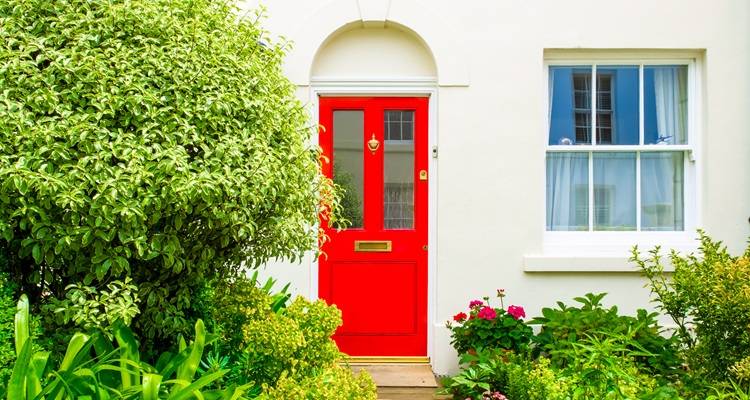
(396,381)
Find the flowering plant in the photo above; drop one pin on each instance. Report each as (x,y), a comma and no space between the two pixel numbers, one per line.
(489,327)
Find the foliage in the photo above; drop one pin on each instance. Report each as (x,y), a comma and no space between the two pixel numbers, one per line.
(605,368)
(7,313)
(489,327)
(564,326)
(335,383)
(233,303)
(156,139)
(351,205)
(708,297)
(116,370)
(284,348)
(90,308)
(491,371)
(295,342)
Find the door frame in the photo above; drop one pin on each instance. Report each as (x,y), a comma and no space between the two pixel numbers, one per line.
(394,87)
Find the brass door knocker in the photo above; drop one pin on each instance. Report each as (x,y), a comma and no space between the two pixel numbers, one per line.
(373,144)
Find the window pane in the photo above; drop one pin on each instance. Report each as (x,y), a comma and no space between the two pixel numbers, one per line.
(614,191)
(348,163)
(617,105)
(665,104)
(398,172)
(567,191)
(662,182)
(399,125)
(570,105)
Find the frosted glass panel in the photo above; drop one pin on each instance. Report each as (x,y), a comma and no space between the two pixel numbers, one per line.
(567,191)
(662,188)
(614,191)
(348,162)
(398,170)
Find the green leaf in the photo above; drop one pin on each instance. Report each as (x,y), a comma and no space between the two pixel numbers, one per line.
(186,371)
(75,345)
(151,385)
(17,382)
(192,389)
(36,252)
(21,324)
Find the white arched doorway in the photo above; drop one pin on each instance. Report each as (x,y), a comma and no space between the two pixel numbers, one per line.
(375,91)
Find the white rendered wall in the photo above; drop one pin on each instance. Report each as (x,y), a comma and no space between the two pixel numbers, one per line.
(489,61)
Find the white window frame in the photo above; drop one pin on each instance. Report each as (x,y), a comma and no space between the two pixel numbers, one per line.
(608,250)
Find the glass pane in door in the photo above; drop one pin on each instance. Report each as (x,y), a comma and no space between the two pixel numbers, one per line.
(398,170)
(348,162)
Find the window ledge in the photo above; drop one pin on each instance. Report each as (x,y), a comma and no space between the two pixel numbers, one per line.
(581,263)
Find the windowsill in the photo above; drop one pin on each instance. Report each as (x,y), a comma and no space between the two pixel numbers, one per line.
(580,263)
(604,251)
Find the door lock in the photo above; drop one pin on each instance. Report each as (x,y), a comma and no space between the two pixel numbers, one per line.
(423,175)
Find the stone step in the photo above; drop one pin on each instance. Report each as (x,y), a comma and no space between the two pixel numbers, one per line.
(402,381)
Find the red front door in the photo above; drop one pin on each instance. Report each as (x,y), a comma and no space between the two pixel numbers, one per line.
(375,271)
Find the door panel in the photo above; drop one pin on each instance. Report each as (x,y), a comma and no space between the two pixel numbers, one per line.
(375,271)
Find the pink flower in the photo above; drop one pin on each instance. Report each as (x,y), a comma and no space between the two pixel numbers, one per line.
(487,313)
(460,317)
(516,312)
(475,303)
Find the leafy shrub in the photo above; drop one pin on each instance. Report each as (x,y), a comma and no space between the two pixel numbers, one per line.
(606,368)
(231,304)
(296,342)
(708,297)
(90,308)
(488,327)
(285,349)
(335,383)
(7,312)
(564,326)
(156,139)
(515,376)
(115,370)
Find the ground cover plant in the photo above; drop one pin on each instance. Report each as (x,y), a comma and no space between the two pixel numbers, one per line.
(590,351)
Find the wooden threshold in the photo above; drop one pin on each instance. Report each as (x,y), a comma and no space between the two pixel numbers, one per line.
(387,360)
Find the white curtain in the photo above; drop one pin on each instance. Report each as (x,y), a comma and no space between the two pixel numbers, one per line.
(670,84)
(614,191)
(662,191)
(567,191)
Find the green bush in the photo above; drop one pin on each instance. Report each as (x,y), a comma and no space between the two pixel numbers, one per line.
(156,139)
(515,376)
(708,297)
(605,367)
(564,326)
(7,312)
(490,327)
(335,383)
(282,349)
(90,308)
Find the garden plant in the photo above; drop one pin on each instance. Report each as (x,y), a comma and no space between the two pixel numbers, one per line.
(152,154)
(590,351)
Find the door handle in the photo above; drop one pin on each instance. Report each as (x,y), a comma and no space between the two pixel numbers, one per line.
(373,246)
